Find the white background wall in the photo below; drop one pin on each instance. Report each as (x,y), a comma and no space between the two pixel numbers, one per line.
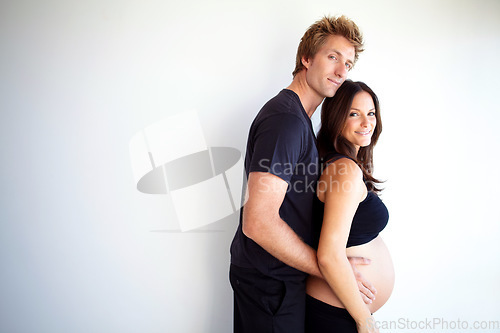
(81,250)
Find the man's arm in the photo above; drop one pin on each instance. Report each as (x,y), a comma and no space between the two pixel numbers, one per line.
(262,224)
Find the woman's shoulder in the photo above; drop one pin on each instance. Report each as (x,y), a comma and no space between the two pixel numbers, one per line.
(342,168)
(343,175)
(341,164)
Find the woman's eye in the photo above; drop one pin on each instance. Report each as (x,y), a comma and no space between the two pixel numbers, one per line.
(353,114)
(371,113)
(333,57)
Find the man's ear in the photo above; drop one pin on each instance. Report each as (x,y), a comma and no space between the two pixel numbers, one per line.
(306,62)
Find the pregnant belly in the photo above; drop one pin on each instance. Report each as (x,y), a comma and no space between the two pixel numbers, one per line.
(380,273)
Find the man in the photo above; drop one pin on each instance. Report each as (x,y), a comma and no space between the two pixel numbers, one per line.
(270,253)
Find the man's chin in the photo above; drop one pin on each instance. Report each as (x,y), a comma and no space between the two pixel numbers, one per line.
(331,93)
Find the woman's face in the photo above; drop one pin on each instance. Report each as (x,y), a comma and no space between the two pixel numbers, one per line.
(361,120)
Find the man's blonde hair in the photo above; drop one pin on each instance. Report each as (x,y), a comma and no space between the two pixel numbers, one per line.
(315,37)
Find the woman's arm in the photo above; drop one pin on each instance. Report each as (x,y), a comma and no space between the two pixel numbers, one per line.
(341,188)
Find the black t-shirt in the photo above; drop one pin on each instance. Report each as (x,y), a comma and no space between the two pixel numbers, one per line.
(281,141)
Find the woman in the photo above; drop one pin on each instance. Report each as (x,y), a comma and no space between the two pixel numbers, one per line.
(352,217)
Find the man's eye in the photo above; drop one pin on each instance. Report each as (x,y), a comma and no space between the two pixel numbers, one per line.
(348,66)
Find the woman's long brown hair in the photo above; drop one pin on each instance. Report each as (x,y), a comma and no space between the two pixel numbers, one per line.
(334,114)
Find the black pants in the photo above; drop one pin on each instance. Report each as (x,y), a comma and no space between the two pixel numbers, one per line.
(266,305)
(323,318)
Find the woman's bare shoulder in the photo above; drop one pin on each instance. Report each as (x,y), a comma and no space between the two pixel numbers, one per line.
(343,168)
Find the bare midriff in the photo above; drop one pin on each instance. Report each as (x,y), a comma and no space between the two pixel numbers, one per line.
(380,273)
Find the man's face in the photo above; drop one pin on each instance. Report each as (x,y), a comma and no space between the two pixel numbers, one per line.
(327,70)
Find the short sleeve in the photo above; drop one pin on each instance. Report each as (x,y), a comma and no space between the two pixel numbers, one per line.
(277,145)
